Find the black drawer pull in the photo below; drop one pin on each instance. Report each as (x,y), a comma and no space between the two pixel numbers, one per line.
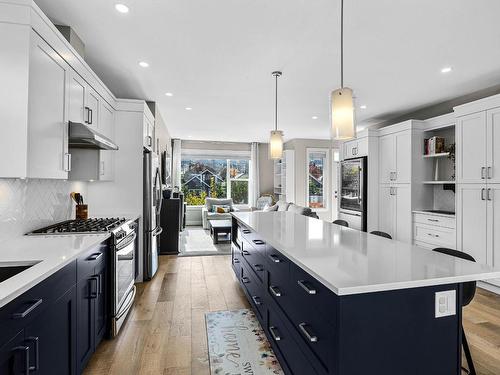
(246,231)
(35,340)
(245,280)
(244,252)
(275,291)
(311,337)
(94,282)
(258,242)
(94,256)
(257,300)
(258,267)
(274,258)
(26,351)
(32,307)
(304,286)
(275,333)
(236,260)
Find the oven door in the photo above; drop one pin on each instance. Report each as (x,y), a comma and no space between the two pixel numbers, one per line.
(125,267)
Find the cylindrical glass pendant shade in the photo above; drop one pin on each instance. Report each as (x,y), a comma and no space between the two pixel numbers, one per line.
(276,144)
(342,114)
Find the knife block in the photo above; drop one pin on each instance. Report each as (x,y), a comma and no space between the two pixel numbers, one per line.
(82,212)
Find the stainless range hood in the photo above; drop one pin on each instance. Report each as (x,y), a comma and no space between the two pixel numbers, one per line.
(83,136)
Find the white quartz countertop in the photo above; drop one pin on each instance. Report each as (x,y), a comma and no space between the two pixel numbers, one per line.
(349,261)
(50,253)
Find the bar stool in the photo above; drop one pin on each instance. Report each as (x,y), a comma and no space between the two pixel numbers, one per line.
(381,234)
(468,292)
(341,222)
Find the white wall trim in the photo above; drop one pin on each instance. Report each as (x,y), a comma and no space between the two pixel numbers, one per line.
(489,287)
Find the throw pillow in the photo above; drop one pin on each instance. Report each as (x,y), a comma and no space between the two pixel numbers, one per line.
(221,209)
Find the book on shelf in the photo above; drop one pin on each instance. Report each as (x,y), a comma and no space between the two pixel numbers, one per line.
(434,145)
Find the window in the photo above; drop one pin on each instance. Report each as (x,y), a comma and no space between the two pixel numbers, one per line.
(216,178)
(317,168)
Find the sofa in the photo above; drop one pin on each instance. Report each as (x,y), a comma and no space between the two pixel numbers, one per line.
(292,207)
(208,214)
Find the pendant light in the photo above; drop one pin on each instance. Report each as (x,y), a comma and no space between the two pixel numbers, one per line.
(342,104)
(276,138)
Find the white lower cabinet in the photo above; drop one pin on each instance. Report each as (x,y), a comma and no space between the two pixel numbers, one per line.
(395,211)
(47,112)
(472,223)
(433,230)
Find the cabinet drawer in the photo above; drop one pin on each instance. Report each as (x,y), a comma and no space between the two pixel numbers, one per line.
(255,259)
(434,235)
(252,238)
(87,262)
(236,260)
(288,348)
(254,290)
(441,221)
(278,277)
(21,311)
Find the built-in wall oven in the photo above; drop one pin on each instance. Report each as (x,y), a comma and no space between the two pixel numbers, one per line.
(353,184)
(123,260)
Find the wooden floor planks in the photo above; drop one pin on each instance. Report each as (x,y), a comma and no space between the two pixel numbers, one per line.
(165,331)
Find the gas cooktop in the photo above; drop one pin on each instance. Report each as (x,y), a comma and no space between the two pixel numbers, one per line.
(101,225)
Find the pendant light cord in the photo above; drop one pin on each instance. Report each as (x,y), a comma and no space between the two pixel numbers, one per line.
(342,43)
(276,103)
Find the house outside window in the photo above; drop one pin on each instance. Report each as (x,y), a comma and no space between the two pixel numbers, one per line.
(203,177)
(317,169)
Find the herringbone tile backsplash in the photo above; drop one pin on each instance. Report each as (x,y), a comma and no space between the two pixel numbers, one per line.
(29,204)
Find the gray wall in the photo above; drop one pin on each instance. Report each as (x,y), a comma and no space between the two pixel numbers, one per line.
(266,170)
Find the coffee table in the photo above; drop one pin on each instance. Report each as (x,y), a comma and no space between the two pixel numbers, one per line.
(218,227)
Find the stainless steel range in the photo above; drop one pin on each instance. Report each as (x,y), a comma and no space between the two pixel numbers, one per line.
(123,245)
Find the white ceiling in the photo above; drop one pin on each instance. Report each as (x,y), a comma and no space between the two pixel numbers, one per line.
(217,57)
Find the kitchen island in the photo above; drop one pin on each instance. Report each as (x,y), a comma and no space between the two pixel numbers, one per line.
(333,300)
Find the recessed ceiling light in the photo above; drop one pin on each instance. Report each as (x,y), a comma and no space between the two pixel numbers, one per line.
(314,117)
(190,136)
(143,64)
(446,69)
(122,8)
(362,106)
(188,108)
(169,94)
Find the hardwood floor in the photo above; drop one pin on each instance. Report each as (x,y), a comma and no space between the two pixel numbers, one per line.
(165,332)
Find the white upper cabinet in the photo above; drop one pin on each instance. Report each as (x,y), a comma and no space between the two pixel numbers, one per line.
(387,161)
(92,107)
(471,138)
(77,95)
(148,131)
(356,148)
(493,146)
(47,112)
(106,128)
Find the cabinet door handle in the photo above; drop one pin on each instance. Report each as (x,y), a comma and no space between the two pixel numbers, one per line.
(67,162)
(304,286)
(483,173)
(26,351)
(35,340)
(311,337)
(274,333)
(482,194)
(245,280)
(87,110)
(274,258)
(257,300)
(244,252)
(26,312)
(246,231)
(102,168)
(150,141)
(275,291)
(100,283)
(433,235)
(258,242)
(93,287)
(489,195)
(236,260)
(433,220)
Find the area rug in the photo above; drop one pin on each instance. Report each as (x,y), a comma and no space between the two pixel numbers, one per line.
(195,241)
(238,345)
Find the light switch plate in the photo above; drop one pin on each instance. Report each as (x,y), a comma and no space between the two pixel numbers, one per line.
(445,303)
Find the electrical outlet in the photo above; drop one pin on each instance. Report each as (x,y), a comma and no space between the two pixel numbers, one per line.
(446,303)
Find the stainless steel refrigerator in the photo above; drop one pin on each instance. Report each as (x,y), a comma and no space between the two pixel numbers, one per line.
(353,184)
(151,212)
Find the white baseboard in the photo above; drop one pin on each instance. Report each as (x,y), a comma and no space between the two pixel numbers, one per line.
(489,287)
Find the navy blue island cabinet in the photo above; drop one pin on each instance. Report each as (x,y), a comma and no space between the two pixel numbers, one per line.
(45,330)
(314,331)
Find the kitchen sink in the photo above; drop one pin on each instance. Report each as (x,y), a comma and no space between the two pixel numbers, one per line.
(7,270)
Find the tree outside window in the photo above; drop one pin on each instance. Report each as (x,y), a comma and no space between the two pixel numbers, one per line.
(316,184)
(215,178)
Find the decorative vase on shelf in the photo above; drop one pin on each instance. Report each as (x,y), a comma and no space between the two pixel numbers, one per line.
(451,150)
